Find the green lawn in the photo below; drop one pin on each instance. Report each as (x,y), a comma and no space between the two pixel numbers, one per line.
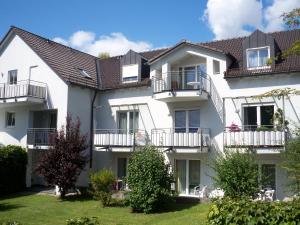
(43,210)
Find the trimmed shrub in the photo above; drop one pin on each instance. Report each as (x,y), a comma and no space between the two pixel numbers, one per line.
(83,221)
(13,161)
(102,186)
(246,211)
(149,180)
(236,174)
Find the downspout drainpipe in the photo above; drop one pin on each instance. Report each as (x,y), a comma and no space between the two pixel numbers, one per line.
(92,113)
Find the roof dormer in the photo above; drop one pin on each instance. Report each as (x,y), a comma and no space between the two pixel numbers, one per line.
(257,49)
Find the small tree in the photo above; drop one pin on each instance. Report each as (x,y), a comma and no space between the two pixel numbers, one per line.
(236,174)
(103,55)
(102,186)
(64,161)
(149,180)
(291,163)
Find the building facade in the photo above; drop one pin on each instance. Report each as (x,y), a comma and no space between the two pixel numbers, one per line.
(191,101)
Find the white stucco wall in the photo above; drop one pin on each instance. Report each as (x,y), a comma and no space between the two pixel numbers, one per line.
(18,55)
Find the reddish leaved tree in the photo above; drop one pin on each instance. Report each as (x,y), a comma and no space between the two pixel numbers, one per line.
(63,162)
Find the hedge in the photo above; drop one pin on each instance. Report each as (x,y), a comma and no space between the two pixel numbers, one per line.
(13,161)
(248,212)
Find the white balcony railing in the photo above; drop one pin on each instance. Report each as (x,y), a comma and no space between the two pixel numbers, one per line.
(25,88)
(178,81)
(121,138)
(253,137)
(168,137)
(40,136)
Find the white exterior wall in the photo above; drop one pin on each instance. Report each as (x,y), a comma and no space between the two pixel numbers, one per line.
(18,55)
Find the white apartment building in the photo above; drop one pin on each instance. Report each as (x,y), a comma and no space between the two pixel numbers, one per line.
(191,101)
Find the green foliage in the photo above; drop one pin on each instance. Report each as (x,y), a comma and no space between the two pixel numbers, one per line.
(84,221)
(292,163)
(292,18)
(13,161)
(149,180)
(102,185)
(247,212)
(103,55)
(10,223)
(236,173)
(263,128)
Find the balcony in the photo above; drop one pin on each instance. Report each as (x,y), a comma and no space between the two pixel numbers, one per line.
(177,86)
(170,138)
(253,136)
(120,138)
(24,91)
(40,137)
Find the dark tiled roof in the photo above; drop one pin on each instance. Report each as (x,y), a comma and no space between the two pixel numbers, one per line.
(65,61)
(234,48)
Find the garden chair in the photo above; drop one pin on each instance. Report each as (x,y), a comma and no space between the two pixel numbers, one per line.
(269,195)
(200,191)
(217,193)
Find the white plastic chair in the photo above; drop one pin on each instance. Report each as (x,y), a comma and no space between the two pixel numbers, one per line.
(217,193)
(269,195)
(200,191)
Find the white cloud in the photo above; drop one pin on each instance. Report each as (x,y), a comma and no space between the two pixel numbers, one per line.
(233,18)
(114,44)
(229,18)
(272,14)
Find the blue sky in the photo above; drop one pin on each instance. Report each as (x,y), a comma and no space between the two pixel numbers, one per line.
(93,25)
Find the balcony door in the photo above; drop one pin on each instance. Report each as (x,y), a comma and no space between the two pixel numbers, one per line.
(258,116)
(190,76)
(128,121)
(187,121)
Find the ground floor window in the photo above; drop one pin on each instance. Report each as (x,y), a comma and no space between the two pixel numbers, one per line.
(121,168)
(268,176)
(187,176)
(10,119)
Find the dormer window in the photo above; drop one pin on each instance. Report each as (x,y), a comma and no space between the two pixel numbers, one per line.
(258,57)
(130,73)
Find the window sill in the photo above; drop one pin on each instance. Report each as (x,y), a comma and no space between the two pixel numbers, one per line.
(259,68)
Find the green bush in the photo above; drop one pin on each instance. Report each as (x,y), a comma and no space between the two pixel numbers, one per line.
(102,186)
(149,180)
(83,221)
(248,212)
(13,161)
(236,173)
(10,223)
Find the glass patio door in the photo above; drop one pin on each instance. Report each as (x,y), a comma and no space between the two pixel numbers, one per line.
(181,176)
(194,175)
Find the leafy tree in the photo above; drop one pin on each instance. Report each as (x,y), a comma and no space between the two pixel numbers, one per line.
(103,55)
(292,162)
(102,185)
(149,180)
(236,173)
(63,162)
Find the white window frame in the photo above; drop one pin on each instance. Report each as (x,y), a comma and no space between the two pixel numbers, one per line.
(8,77)
(186,118)
(6,119)
(136,77)
(214,71)
(128,118)
(258,114)
(258,67)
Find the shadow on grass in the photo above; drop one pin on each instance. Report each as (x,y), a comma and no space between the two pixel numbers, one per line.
(16,195)
(77,198)
(8,206)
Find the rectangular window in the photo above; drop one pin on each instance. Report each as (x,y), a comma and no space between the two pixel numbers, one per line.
(128,121)
(258,116)
(130,73)
(268,176)
(189,77)
(216,67)
(187,121)
(12,77)
(258,57)
(122,168)
(10,119)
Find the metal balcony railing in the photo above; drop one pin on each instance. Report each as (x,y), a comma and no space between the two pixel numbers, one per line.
(177,81)
(40,136)
(170,137)
(253,136)
(119,137)
(24,88)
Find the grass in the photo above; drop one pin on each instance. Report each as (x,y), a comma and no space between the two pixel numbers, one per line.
(32,209)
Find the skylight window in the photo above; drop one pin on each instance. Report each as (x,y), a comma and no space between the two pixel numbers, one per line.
(84,73)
